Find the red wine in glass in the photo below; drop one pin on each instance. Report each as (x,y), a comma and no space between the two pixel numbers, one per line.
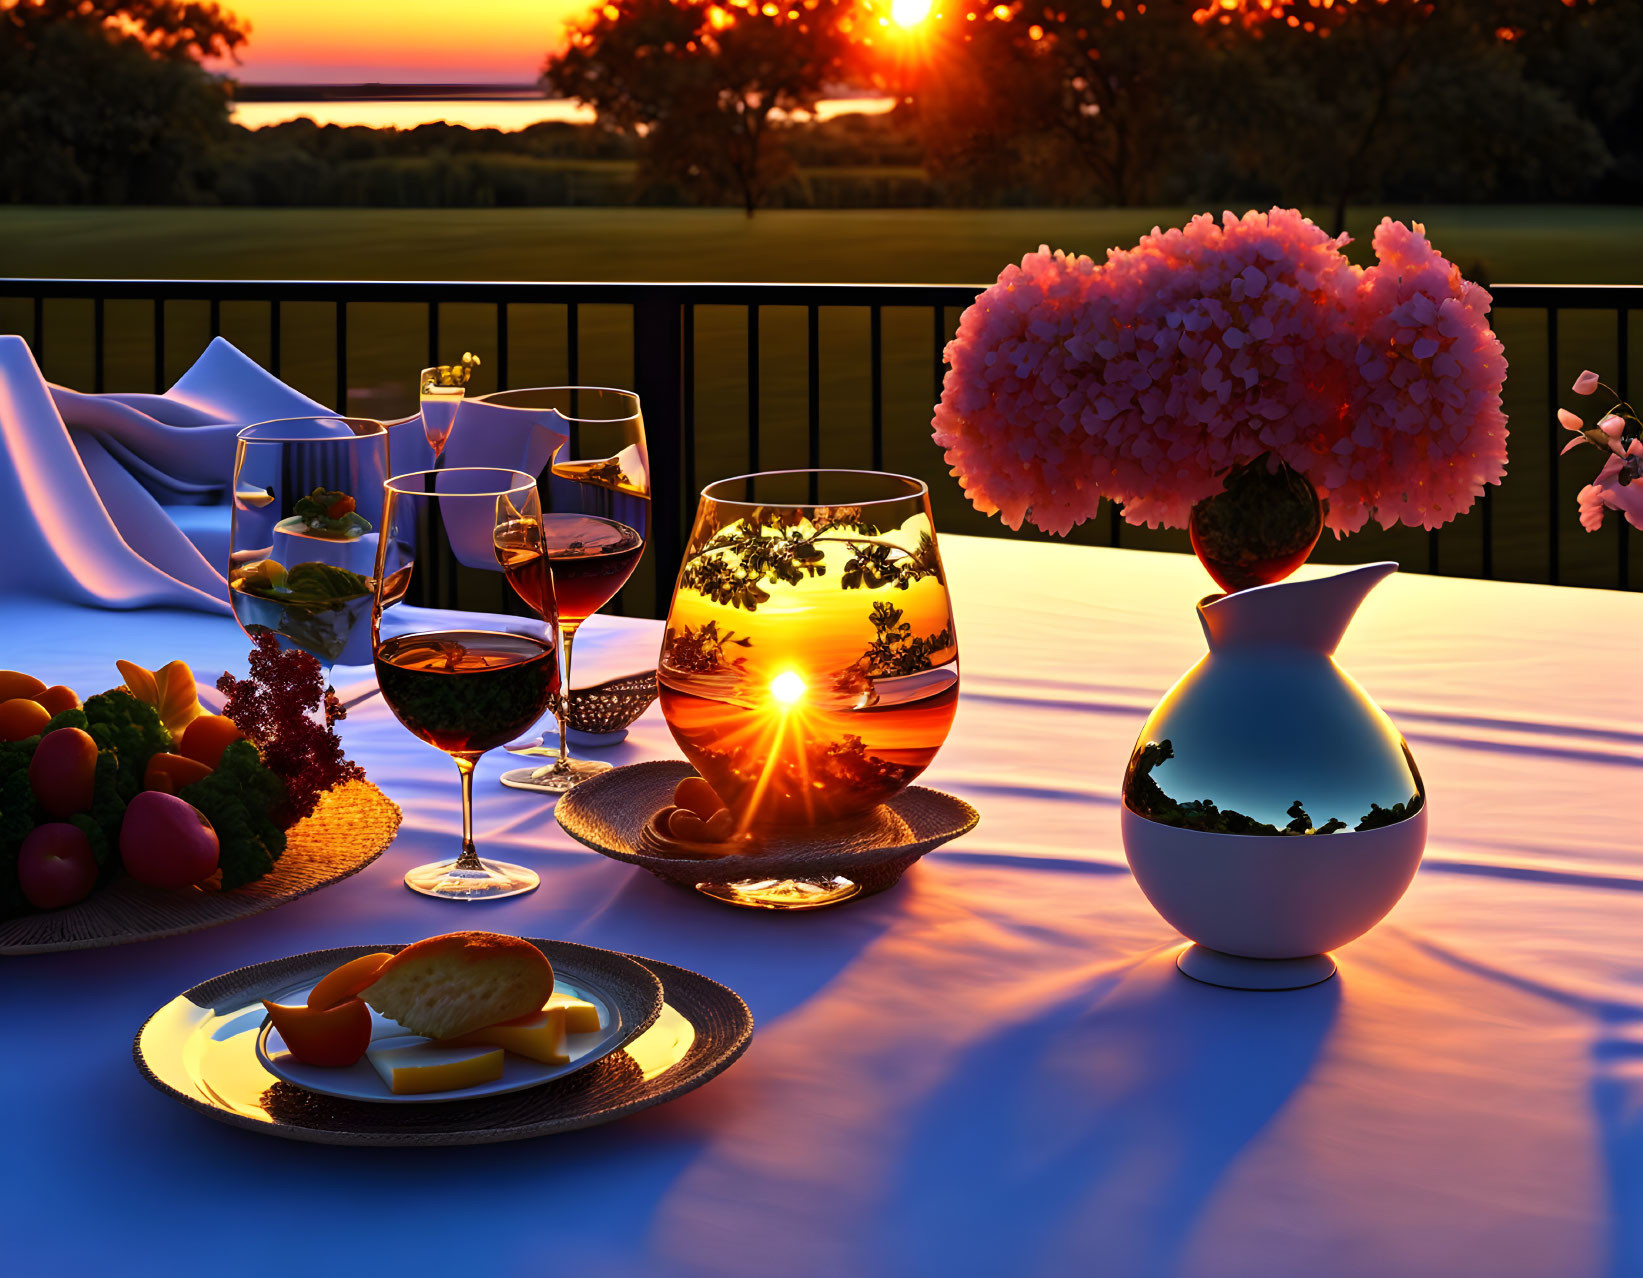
(592,558)
(467,691)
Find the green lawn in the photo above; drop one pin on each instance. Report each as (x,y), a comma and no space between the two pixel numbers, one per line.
(1498,244)
(1512,244)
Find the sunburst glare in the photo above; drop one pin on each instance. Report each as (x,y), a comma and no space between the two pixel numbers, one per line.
(788,687)
(909,13)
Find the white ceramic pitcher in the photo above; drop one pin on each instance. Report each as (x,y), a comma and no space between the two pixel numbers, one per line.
(1271,811)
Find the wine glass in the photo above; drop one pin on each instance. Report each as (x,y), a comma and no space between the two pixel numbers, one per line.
(480,665)
(809,670)
(442,390)
(595,520)
(303,546)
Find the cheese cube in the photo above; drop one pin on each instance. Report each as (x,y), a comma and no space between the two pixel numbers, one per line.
(411,1065)
(538,1037)
(580,1017)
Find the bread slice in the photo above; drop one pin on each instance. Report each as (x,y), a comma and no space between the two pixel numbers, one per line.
(462,981)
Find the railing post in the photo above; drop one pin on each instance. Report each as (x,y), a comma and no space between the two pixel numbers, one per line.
(658,374)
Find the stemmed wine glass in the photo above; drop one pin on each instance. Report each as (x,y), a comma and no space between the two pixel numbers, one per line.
(303,547)
(442,389)
(596,521)
(465,671)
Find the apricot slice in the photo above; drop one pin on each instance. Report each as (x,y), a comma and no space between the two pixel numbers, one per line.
(59,698)
(347,981)
(697,795)
(207,737)
(21,718)
(169,773)
(14,683)
(331,1037)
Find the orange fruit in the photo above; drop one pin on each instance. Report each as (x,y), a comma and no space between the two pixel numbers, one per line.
(171,772)
(685,824)
(207,737)
(334,1037)
(14,683)
(697,795)
(20,718)
(59,698)
(346,981)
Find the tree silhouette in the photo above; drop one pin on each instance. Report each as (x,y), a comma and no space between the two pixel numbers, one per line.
(173,29)
(1105,88)
(1357,99)
(105,101)
(700,82)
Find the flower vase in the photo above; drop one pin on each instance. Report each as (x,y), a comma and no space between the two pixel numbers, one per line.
(1271,811)
(1259,528)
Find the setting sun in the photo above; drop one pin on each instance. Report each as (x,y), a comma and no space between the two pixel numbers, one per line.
(788,687)
(909,13)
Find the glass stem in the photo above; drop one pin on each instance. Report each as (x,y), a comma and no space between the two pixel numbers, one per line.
(469,860)
(567,633)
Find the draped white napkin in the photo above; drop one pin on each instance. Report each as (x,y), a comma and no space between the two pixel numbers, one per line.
(92,486)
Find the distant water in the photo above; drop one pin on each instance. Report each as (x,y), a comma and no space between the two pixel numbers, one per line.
(475,113)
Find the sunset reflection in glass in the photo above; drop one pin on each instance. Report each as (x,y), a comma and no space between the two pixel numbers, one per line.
(810,667)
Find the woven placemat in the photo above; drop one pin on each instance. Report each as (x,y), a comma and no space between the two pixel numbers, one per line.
(609,814)
(611,1088)
(351,827)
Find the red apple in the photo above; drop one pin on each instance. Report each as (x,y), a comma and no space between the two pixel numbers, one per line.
(55,866)
(165,841)
(62,771)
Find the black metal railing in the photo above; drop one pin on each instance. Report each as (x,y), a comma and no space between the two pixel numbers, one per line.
(664,328)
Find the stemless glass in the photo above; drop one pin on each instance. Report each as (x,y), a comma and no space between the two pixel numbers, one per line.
(596,521)
(468,673)
(809,669)
(306,521)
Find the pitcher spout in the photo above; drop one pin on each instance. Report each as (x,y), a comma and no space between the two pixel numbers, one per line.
(1311,614)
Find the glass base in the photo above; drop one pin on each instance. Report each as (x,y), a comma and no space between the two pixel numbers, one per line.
(497,879)
(783,894)
(538,747)
(1233,972)
(553,780)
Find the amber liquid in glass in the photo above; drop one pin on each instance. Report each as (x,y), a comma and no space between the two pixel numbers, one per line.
(821,700)
(467,691)
(519,551)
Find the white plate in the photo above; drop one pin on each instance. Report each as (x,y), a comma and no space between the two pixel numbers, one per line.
(360,1081)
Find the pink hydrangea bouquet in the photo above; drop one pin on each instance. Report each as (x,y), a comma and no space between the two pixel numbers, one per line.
(1148,378)
(1617,433)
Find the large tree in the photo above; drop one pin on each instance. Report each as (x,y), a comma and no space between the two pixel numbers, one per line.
(703,83)
(1432,98)
(105,100)
(1093,97)
(173,29)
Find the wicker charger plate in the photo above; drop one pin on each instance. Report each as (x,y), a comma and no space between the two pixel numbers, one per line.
(351,827)
(199,1049)
(610,813)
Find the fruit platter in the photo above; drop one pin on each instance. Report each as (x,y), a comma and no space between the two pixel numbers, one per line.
(136,813)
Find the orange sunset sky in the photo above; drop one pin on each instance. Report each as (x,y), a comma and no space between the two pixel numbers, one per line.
(351,41)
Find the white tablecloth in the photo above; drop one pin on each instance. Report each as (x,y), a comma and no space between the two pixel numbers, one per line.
(994,1068)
